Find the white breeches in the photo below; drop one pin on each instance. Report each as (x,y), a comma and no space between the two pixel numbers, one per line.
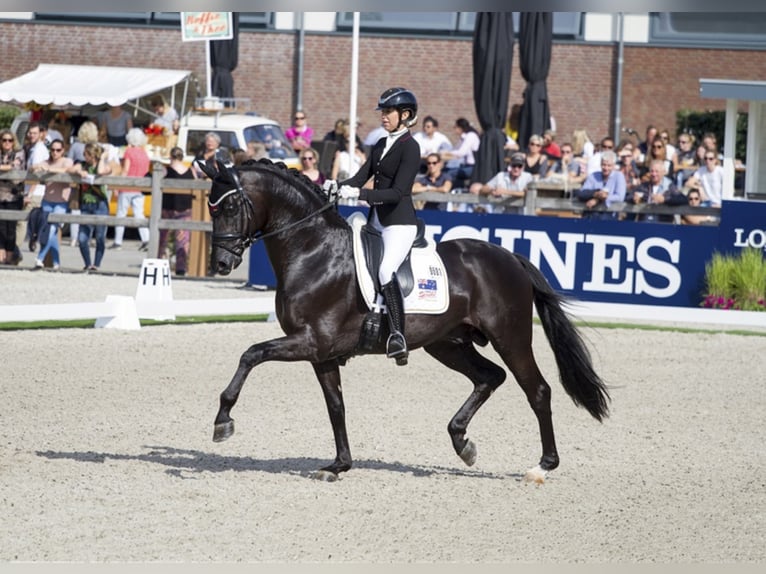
(397,241)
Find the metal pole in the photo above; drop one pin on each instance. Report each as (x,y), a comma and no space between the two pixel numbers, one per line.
(354,89)
(209,70)
(301,46)
(618,89)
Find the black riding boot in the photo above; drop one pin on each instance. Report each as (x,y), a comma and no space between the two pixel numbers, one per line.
(396,346)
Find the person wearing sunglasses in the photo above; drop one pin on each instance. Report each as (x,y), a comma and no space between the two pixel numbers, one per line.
(435,179)
(685,159)
(55,200)
(11,196)
(695,200)
(708,180)
(310,165)
(300,133)
(511,182)
(657,151)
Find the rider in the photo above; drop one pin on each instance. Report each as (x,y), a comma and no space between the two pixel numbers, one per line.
(393,163)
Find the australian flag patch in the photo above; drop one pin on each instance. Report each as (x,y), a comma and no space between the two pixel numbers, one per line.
(427,288)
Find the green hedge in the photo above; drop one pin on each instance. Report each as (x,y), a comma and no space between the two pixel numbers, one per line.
(697,123)
(7,113)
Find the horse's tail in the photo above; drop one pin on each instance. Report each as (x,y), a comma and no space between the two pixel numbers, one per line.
(576,371)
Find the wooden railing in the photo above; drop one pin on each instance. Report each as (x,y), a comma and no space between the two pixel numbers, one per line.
(542,198)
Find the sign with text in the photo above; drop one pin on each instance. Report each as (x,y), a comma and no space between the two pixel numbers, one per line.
(594,260)
(206,26)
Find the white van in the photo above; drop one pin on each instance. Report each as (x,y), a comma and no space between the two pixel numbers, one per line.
(235,130)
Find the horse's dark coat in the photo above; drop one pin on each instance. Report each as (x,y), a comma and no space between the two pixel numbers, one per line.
(318,305)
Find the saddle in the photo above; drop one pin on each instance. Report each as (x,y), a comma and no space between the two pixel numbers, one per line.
(372,244)
(422,276)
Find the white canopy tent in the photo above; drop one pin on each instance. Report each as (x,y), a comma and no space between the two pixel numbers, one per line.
(61,85)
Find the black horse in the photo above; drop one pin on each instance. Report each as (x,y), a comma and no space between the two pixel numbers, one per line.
(321,311)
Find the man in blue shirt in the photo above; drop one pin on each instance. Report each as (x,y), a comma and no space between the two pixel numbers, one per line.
(604,187)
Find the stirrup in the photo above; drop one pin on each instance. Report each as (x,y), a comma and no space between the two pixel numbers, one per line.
(399,352)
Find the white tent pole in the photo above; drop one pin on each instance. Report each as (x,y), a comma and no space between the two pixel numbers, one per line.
(354,89)
(729,145)
(209,70)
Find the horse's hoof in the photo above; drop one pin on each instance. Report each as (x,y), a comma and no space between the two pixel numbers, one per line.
(468,454)
(325,476)
(536,475)
(222,431)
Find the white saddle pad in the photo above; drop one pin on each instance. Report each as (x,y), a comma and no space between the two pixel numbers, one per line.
(430,294)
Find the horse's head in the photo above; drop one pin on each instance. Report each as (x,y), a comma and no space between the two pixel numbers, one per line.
(232,214)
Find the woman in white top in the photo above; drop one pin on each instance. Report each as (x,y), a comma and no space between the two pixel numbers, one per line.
(709,180)
(464,152)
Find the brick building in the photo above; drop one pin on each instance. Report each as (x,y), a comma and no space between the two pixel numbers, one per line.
(660,73)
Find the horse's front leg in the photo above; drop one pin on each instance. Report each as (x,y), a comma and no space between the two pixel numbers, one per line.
(289,348)
(328,374)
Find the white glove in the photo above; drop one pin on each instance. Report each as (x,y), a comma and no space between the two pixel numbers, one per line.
(330,188)
(348,192)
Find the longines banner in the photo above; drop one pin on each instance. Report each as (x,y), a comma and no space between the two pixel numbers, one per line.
(606,261)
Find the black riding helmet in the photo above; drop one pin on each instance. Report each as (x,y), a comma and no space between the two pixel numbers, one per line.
(400,99)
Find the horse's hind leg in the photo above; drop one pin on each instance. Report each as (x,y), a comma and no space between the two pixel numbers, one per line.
(518,355)
(328,374)
(486,376)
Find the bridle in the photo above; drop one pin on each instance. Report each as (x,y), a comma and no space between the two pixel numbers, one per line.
(244,239)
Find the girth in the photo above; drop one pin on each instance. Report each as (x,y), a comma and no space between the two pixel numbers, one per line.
(372,243)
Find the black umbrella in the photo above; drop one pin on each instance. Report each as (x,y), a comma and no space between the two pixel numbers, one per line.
(492,60)
(535,41)
(224,56)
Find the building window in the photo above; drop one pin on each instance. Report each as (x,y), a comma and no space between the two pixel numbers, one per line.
(708,29)
(247,20)
(566,25)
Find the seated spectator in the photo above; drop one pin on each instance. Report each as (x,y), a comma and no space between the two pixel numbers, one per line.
(629,169)
(605,187)
(594,162)
(336,134)
(300,133)
(695,199)
(708,179)
(582,146)
(660,189)
(685,160)
(435,179)
(310,165)
(462,156)
(645,146)
(657,151)
(431,140)
(342,166)
(512,182)
(568,168)
(550,148)
(670,149)
(512,124)
(535,162)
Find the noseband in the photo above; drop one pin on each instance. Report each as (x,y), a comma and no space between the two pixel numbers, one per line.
(243,239)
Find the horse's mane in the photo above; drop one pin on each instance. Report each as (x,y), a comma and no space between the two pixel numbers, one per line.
(307,192)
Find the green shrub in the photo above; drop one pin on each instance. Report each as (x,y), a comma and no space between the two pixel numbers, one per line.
(736,282)
(697,123)
(7,113)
